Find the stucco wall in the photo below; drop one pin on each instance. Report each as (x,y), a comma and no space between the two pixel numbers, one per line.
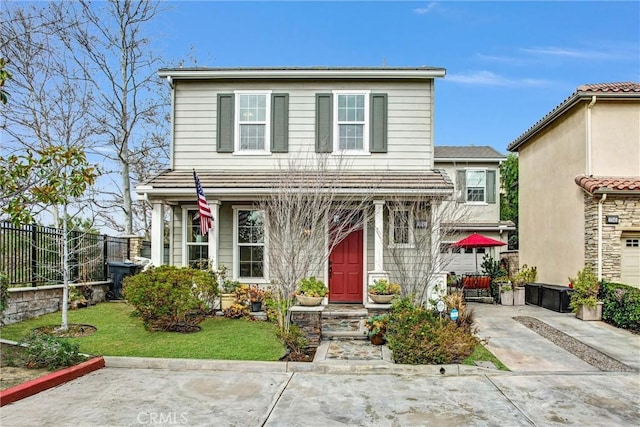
(616,138)
(551,217)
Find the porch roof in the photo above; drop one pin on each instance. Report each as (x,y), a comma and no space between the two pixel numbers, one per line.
(613,185)
(177,183)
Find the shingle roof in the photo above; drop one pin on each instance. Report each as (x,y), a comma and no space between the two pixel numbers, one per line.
(619,90)
(180,182)
(599,185)
(466,152)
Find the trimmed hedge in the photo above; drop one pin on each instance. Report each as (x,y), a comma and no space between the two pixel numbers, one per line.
(621,305)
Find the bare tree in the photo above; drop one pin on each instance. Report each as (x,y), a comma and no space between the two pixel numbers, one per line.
(309,211)
(419,226)
(110,43)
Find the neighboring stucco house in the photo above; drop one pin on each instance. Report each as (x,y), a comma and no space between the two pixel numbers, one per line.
(579,186)
(237,127)
(475,171)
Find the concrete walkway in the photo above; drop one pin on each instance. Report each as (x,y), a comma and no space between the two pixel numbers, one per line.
(547,386)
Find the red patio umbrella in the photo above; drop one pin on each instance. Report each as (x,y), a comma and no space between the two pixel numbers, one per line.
(476,240)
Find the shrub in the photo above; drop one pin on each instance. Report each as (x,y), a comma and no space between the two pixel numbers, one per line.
(294,339)
(525,275)
(4,295)
(168,298)
(621,305)
(585,289)
(46,351)
(236,311)
(417,336)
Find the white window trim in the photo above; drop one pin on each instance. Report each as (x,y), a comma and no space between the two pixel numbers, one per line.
(411,243)
(267,129)
(336,128)
(466,187)
(236,252)
(185,234)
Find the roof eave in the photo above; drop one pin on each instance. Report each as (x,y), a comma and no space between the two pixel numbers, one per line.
(426,73)
(469,159)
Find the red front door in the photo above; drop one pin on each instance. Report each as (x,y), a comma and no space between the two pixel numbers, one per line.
(345,270)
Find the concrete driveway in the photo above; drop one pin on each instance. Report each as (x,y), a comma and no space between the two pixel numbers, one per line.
(135,392)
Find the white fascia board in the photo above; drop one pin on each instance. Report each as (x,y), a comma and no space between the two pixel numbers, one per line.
(174,192)
(427,73)
(468,160)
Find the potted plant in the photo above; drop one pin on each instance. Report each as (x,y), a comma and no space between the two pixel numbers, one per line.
(506,294)
(382,291)
(525,275)
(256,296)
(228,293)
(377,326)
(311,291)
(584,299)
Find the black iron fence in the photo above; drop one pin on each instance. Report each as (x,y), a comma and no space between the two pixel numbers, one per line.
(32,255)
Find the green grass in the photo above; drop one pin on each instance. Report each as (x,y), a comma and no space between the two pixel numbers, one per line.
(481,353)
(120,334)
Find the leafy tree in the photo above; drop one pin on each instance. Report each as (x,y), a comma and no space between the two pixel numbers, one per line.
(4,76)
(509,196)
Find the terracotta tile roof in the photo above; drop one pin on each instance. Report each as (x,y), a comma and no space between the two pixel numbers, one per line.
(599,185)
(466,152)
(180,182)
(614,90)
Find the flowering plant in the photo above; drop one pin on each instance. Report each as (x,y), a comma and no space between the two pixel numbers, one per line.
(256,294)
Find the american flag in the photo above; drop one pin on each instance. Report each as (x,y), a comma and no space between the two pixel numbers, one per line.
(204,211)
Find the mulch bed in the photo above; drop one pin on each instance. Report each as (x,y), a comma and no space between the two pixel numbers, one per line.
(75,330)
(305,356)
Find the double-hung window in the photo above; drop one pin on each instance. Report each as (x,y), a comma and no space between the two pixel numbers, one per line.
(351,112)
(476,186)
(249,239)
(400,231)
(252,126)
(197,245)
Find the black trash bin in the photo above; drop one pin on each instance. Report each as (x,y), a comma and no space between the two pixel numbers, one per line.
(118,271)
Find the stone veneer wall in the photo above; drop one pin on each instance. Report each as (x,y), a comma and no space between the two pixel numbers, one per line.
(25,303)
(309,320)
(627,208)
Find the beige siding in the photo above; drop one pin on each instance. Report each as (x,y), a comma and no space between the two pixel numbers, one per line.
(551,218)
(616,139)
(409,124)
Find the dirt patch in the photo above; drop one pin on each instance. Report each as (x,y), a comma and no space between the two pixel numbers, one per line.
(12,369)
(304,356)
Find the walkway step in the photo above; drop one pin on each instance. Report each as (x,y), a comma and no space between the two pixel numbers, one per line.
(344,335)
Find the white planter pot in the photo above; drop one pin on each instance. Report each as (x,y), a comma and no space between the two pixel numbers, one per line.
(506,297)
(518,295)
(309,301)
(381,299)
(588,313)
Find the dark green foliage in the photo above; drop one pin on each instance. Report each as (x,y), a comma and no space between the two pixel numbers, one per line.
(170,298)
(509,195)
(46,351)
(4,294)
(416,335)
(621,305)
(294,340)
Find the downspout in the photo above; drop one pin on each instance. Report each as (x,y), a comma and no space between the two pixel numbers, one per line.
(588,141)
(600,203)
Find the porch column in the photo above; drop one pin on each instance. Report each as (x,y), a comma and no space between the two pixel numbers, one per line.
(435,236)
(157,233)
(214,233)
(379,236)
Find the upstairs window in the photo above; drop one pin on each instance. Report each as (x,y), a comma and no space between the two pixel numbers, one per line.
(476,186)
(252,124)
(351,113)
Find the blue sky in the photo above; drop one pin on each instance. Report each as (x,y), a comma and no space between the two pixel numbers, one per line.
(508,63)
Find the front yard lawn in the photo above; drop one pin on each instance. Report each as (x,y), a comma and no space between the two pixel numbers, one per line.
(120,334)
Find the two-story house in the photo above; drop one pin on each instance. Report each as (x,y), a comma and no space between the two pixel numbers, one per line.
(579,186)
(237,127)
(475,171)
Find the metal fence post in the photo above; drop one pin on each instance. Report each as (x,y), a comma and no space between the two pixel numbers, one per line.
(34,254)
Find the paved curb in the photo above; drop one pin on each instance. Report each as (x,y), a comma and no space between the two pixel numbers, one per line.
(54,379)
(322,367)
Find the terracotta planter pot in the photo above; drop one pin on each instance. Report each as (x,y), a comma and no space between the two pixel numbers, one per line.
(381,299)
(309,301)
(377,339)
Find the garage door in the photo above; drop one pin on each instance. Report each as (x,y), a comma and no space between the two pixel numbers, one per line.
(461,260)
(630,261)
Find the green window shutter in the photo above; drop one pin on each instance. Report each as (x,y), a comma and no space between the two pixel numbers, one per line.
(378,125)
(324,123)
(491,186)
(461,185)
(225,122)
(279,122)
